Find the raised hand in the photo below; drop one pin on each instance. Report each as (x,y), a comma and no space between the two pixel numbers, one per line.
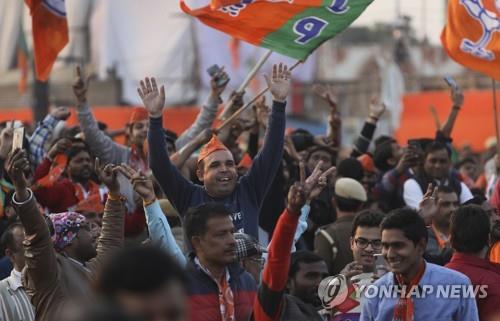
(219,77)
(352,269)
(428,205)
(142,184)
(107,175)
(152,98)
(58,148)
(327,93)
(60,113)
(261,112)
(296,198)
(280,82)
(80,87)
(318,180)
(6,138)
(17,165)
(377,108)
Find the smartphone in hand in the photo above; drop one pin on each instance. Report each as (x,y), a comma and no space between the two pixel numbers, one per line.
(214,71)
(18,138)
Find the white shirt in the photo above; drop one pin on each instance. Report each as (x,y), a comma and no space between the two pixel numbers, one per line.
(413,195)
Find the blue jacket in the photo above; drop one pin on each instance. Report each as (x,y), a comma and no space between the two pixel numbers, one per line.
(245,201)
(203,293)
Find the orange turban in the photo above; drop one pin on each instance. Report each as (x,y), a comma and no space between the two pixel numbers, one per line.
(212,146)
(138,114)
(367,163)
(246,161)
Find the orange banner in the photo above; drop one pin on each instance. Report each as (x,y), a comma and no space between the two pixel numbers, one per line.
(471,36)
(474,123)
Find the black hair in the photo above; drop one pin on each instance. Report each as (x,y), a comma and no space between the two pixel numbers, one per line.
(435,146)
(408,221)
(383,139)
(347,205)
(478,199)
(469,229)
(326,149)
(196,218)
(383,152)
(302,257)
(138,270)
(302,139)
(464,161)
(445,189)
(367,218)
(7,240)
(75,150)
(351,168)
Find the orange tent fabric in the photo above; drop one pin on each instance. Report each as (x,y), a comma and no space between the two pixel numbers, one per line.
(474,124)
(50,34)
(471,35)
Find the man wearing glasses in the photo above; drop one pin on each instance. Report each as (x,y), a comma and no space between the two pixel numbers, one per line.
(365,243)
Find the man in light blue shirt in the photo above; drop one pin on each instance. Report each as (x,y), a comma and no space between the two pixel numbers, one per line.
(414,289)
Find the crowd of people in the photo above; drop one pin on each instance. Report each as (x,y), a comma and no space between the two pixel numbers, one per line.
(172,228)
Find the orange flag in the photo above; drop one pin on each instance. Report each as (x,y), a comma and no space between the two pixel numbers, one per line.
(50,33)
(472,35)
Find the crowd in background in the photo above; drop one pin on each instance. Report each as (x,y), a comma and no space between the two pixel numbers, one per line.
(171,227)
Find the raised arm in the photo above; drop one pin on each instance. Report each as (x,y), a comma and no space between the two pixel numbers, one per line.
(266,163)
(457,98)
(180,157)
(334,122)
(176,187)
(44,131)
(100,145)
(377,108)
(159,229)
(269,301)
(40,254)
(208,112)
(112,232)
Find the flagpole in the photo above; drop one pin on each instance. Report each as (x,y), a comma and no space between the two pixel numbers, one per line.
(245,83)
(495,116)
(250,103)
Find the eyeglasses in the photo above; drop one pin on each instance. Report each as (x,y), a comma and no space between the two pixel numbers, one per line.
(363,243)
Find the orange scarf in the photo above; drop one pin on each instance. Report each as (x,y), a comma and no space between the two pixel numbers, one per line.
(404,310)
(442,240)
(93,192)
(226,300)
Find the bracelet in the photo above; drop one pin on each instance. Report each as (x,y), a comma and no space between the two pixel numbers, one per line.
(25,201)
(114,197)
(147,203)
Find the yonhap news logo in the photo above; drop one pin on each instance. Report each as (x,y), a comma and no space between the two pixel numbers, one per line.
(334,290)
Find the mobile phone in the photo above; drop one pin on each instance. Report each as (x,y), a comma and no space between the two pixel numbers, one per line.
(415,144)
(213,71)
(18,138)
(381,267)
(450,81)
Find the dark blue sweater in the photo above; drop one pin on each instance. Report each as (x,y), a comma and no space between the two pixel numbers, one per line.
(245,201)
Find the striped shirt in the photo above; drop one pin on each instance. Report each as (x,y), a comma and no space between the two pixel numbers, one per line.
(15,304)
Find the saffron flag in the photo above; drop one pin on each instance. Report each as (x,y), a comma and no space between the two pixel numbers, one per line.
(294,28)
(50,33)
(472,35)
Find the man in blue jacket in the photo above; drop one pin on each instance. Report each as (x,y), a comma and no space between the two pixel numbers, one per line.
(217,169)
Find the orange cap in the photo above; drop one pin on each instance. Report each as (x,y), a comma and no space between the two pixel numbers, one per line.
(367,162)
(246,161)
(138,114)
(212,146)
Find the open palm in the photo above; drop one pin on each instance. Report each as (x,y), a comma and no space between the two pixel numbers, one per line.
(152,98)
